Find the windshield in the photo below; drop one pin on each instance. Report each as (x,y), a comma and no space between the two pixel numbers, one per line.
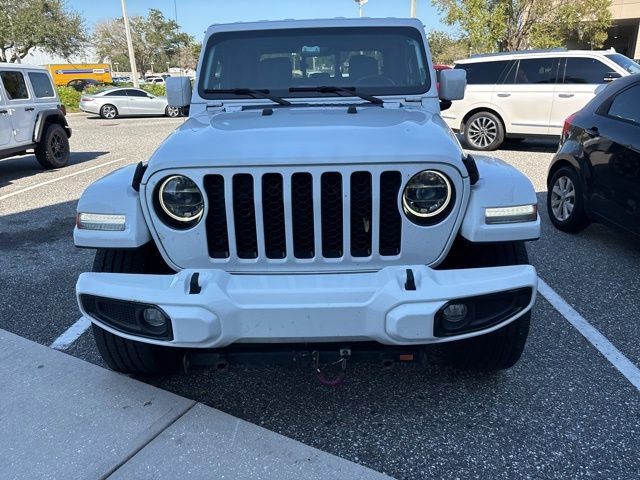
(625,62)
(374,60)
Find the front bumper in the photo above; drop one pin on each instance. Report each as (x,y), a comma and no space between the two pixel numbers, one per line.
(348,307)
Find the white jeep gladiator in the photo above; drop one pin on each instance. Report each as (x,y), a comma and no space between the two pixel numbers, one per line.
(314,203)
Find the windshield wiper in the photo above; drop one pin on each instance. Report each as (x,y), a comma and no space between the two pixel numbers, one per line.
(251,92)
(344,91)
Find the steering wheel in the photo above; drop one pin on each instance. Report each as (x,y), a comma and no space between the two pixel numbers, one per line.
(376,80)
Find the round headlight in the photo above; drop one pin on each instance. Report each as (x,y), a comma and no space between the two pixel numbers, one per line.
(427,196)
(180,199)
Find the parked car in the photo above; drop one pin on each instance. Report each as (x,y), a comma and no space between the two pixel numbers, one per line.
(318,220)
(31,116)
(154,80)
(116,102)
(529,94)
(595,176)
(80,85)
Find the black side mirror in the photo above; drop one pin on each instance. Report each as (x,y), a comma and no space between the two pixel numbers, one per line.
(445,105)
(611,76)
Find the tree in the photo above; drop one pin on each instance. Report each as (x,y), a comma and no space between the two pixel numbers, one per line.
(47,24)
(156,40)
(446,49)
(492,25)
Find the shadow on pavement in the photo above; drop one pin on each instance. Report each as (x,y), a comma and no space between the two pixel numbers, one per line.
(25,166)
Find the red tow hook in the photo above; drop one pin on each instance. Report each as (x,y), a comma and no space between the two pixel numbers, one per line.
(345,354)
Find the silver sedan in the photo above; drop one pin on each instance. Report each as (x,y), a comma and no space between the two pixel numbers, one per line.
(126,101)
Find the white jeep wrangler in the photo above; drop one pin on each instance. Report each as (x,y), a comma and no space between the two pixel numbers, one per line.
(31,116)
(313,203)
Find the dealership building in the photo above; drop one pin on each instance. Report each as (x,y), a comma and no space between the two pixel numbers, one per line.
(624,35)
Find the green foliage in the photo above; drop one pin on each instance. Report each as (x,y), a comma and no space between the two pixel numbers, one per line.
(446,49)
(155,89)
(156,40)
(492,25)
(47,24)
(69,97)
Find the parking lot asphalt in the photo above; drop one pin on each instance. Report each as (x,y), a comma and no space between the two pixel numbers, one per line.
(564,411)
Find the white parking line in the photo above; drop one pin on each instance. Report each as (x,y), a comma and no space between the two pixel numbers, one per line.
(588,331)
(71,334)
(57,179)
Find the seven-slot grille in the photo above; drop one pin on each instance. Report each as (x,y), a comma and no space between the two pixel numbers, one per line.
(337,209)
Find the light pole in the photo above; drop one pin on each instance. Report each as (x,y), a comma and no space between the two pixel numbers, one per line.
(413,10)
(168,63)
(117,65)
(151,68)
(132,58)
(360,5)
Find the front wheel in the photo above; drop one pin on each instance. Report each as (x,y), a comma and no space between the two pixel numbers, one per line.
(501,348)
(172,112)
(484,131)
(121,354)
(52,151)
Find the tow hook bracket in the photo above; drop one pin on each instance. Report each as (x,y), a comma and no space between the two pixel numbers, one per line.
(194,286)
(345,354)
(410,284)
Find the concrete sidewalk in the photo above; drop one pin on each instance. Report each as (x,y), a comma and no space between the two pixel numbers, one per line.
(61,417)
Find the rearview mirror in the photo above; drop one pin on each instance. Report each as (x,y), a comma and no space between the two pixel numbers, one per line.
(178,91)
(452,84)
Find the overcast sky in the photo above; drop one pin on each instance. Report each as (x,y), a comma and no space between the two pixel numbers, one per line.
(196,15)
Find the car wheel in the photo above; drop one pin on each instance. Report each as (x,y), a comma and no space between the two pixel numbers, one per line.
(501,348)
(52,151)
(121,354)
(108,111)
(172,111)
(484,131)
(565,201)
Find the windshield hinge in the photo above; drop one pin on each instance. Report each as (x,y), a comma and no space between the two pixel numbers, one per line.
(413,99)
(214,105)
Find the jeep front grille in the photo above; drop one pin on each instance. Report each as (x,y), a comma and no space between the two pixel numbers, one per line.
(304,215)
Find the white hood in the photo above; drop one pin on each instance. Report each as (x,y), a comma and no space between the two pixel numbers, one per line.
(309,135)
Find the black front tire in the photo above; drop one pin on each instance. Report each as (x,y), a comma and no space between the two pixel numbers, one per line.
(52,151)
(578,219)
(121,354)
(502,348)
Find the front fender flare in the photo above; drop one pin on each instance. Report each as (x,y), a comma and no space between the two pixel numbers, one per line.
(49,116)
(500,185)
(113,194)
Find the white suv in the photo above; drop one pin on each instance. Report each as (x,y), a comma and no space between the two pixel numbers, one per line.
(31,116)
(529,94)
(314,203)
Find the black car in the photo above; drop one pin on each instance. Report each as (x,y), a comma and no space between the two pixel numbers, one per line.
(595,175)
(81,83)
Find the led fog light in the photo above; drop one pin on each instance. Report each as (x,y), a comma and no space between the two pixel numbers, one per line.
(153,317)
(455,312)
(133,318)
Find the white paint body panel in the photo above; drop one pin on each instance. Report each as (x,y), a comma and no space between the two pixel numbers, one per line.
(500,184)
(306,308)
(113,194)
